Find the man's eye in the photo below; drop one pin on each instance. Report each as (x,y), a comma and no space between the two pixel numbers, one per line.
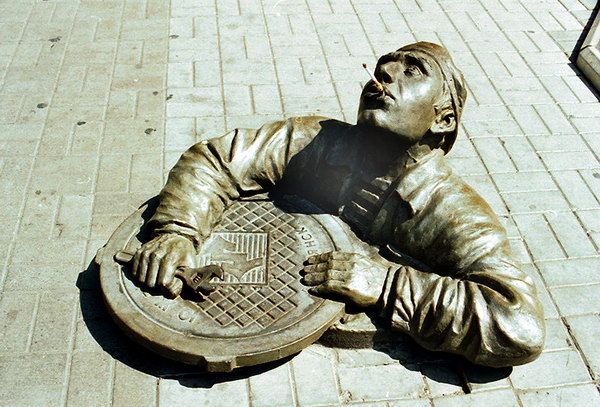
(412,70)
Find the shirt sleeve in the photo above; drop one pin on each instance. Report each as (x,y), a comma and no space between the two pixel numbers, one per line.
(474,300)
(212,173)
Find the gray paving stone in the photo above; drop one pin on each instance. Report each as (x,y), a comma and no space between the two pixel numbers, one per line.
(494,128)
(527,182)
(409,403)
(238,100)
(307,366)
(570,271)
(133,388)
(539,237)
(591,224)
(583,92)
(63,174)
(32,379)
(577,300)
(90,379)
(571,234)
(498,398)
(14,174)
(465,166)
(592,180)
(574,160)
(113,173)
(180,133)
(272,388)
(551,369)
(586,330)
(23,276)
(198,391)
(53,327)
(248,72)
(522,154)
(592,141)
(41,251)
(560,89)
(554,118)
(383,382)
(535,201)
(575,189)
(146,173)
(39,215)
(17,313)
(191,102)
(494,156)
(587,394)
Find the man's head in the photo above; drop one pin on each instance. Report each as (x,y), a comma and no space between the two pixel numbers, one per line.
(424,95)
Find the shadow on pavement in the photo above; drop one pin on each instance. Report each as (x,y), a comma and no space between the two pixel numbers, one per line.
(440,367)
(437,366)
(113,341)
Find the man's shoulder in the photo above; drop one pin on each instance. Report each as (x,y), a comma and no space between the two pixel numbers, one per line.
(302,127)
(318,124)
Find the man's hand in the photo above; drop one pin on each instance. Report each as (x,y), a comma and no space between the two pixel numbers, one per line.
(155,263)
(358,278)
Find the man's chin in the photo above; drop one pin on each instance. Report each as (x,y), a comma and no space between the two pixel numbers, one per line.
(372,118)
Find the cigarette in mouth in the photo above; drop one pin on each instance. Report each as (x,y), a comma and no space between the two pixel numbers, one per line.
(377,83)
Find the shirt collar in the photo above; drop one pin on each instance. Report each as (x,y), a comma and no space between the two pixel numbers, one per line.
(421,177)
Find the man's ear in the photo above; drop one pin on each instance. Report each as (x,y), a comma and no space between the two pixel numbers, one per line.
(445,121)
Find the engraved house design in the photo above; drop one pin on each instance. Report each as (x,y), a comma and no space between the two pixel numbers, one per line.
(242,255)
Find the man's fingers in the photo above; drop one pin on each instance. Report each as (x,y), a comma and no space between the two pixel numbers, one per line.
(343,256)
(174,288)
(314,278)
(319,258)
(338,265)
(324,257)
(153,266)
(136,263)
(166,270)
(315,268)
(143,267)
(331,275)
(318,277)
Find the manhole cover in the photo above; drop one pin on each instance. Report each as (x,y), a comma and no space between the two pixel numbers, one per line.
(260,311)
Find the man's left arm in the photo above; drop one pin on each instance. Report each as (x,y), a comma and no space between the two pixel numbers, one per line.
(474,301)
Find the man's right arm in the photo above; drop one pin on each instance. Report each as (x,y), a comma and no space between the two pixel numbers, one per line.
(203,183)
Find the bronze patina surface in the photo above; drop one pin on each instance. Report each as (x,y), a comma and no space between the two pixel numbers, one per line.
(449,280)
(258,312)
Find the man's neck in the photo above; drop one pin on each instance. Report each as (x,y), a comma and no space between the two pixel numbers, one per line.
(387,153)
(417,151)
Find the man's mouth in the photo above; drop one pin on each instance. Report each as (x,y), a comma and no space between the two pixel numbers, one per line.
(373,94)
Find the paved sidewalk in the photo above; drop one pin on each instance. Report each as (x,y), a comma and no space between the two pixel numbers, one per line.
(98,100)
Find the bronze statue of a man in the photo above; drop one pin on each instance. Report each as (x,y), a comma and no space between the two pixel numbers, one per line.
(386,177)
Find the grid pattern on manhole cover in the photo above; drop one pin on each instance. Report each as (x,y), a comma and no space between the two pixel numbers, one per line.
(260,305)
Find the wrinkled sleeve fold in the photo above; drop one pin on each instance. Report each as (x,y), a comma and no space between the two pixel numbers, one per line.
(490,317)
(475,301)
(212,173)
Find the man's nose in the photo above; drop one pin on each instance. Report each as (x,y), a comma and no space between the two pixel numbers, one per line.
(387,72)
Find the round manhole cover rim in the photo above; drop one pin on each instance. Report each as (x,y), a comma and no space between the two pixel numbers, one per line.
(203,351)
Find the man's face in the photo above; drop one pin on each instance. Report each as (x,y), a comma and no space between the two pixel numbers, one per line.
(413,83)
